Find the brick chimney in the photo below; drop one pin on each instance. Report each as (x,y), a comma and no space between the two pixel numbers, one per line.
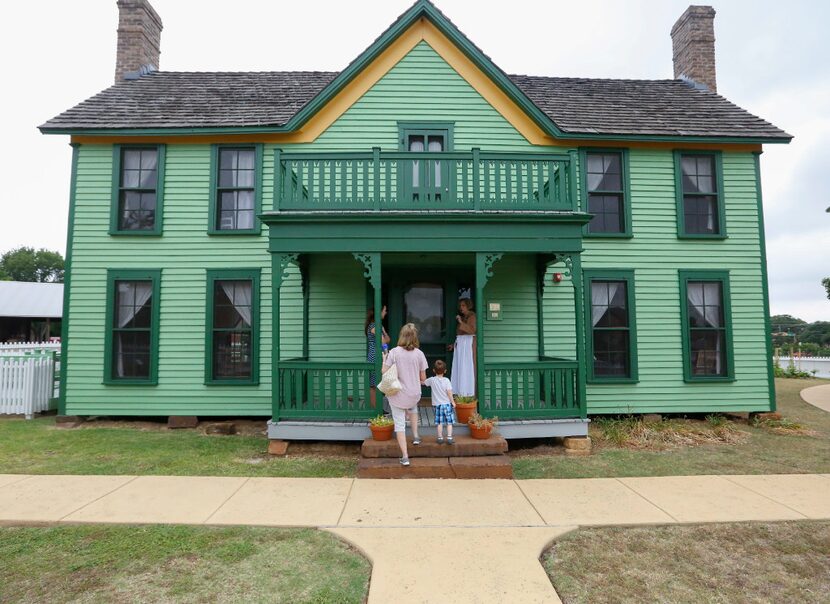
(139,38)
(693,46)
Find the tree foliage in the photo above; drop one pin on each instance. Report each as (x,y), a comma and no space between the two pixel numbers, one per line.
(786,323)
(28,264)
(826,283)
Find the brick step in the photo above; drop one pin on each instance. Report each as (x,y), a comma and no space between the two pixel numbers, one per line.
(464,446)
(489,466)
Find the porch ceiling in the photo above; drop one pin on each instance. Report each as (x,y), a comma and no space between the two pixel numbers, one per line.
(317,231)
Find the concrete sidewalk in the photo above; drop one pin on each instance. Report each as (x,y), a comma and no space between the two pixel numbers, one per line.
(818,396)
(493,530)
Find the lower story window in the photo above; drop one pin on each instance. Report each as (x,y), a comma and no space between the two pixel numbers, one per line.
(133,327)
(612,325)
(706,326)
(232,336)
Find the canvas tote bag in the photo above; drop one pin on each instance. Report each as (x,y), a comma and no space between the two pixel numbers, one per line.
(390,384)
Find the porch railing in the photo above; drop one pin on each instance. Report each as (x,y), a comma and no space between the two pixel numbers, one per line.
(383,181)
(325,390)
(544,389)
(547,388)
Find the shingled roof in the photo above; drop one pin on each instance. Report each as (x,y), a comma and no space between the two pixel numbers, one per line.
(576,105)
(643,107)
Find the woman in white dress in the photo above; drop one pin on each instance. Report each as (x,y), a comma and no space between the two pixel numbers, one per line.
(463,375)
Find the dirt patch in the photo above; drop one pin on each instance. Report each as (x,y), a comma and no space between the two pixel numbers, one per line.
(243,427)
(635,433)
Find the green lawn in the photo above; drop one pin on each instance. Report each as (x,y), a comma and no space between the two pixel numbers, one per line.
(763,452)
(37,447)
(113,564)
(715,563)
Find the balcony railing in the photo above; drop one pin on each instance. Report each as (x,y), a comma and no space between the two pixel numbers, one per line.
(384,181)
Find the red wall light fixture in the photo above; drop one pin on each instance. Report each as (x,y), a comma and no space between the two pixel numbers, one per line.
(557,277)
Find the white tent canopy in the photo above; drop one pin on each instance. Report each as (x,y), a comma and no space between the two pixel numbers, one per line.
(41,300)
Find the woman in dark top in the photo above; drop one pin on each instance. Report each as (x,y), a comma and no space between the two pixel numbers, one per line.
(371,352)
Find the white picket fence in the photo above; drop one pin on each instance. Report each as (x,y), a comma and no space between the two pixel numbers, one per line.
(28,377)
(821,365)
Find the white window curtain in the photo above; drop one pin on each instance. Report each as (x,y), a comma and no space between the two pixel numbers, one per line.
(435,146)
(242,300)
(698,295)
(601,296)
(416,145)
(143,292)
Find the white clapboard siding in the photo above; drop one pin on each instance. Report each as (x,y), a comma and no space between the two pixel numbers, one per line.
(27,383)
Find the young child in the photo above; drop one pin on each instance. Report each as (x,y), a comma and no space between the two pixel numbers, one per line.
(443,402)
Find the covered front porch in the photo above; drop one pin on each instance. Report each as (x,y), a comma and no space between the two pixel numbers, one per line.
(528,373)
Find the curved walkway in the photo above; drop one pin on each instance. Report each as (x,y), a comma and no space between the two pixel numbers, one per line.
(818,396)
(493,531)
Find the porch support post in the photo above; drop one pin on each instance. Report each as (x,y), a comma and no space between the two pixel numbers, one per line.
(484,270)
(304,268)
(279,266)
(372,271)
(576,277)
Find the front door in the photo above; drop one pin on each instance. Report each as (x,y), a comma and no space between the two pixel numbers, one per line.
(430,303)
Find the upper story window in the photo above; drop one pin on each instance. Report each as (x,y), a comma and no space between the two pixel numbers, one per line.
(606,191)
(707,327)
(132,327)
(699,195)
(236,193)
(137,190)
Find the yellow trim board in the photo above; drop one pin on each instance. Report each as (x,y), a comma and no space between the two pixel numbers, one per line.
(421,30)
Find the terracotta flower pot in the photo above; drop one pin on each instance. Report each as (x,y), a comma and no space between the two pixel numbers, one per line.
(480,433)
(464,411)
(382,432)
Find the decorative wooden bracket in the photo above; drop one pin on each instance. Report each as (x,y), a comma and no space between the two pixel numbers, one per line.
(371,267)
(490,259)
(284,261)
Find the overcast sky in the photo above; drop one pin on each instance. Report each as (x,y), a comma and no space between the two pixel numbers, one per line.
(773,59)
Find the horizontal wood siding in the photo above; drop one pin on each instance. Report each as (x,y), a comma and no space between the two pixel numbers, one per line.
(655,253)
(516,336)
(337,309)
(183,253)
(559,319)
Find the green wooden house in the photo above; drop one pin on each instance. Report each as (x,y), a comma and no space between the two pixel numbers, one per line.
(229,231)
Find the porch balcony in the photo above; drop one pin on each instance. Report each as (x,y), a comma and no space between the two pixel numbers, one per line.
(383,181)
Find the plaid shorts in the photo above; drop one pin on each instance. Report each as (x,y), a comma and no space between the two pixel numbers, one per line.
(444,414)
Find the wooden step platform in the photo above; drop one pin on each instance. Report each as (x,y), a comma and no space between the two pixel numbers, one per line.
(482,466)
(464,446)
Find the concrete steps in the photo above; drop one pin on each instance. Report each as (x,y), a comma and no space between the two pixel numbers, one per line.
(466,458)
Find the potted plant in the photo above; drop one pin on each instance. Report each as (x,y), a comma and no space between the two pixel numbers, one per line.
(465,407)
(381,427)
(481,427)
